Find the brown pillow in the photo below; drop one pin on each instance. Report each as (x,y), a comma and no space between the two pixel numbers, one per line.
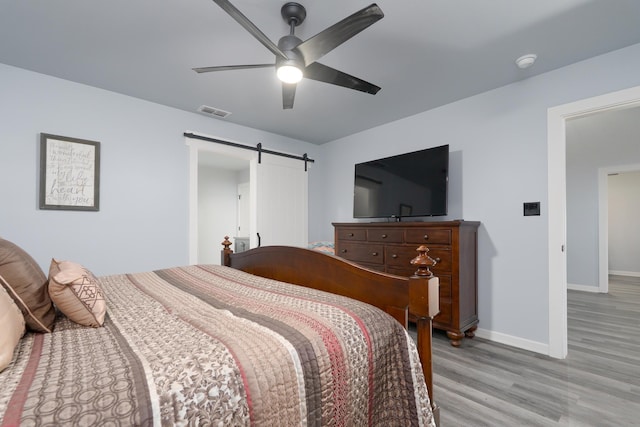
(76,292)
(12,327)
(27,285)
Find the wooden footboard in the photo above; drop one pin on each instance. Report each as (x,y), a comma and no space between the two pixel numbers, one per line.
(394,294)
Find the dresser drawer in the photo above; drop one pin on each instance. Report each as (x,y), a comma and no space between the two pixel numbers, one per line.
(428,235)
(359,234)
(390,247)
(445,286)
(444,317)
(443,260)
(358,252)
(388,235)
(399,257)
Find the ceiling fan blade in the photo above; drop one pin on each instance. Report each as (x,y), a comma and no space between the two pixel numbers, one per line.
(231,67)
(319,45)
(250,27)
(288,94)
(322,73)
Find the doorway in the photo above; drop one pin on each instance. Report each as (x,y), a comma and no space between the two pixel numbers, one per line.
(620,247)
(278,199)
(556,140)
(243,230)
(598,145)
(220,177)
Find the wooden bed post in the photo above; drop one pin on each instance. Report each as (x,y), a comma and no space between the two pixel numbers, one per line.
(424,303)
(226,252)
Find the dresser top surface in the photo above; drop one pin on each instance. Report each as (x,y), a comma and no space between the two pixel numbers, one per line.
(451,223)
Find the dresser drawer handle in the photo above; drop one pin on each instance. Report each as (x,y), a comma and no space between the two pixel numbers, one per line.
(437,259)
(394,256)
(384,236)
(350,234)
(426,237)
(374,253)
(344,251)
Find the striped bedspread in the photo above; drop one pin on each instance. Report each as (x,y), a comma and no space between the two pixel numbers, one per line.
(213,346)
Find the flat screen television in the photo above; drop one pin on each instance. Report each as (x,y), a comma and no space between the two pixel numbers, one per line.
(406,185)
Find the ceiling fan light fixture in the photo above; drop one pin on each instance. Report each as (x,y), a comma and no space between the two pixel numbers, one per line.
(289,73)
(297,59)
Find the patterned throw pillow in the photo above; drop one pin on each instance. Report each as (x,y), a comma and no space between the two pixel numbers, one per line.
(77,293)
(27,285)
(12,327)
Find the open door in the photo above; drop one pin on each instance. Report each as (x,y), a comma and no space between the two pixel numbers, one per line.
(278,203)
(279,214)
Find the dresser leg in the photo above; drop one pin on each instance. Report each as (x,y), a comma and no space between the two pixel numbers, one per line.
(455,338)
(471,332)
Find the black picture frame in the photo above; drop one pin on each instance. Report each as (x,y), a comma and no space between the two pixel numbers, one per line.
(69,173)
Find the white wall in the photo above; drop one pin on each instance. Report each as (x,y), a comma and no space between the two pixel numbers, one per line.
(143,219)
(624,227)
(594,142)
(499,147)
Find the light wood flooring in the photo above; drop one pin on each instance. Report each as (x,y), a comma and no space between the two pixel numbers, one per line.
(487,384)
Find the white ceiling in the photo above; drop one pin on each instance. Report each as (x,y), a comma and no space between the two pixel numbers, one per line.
(423,53)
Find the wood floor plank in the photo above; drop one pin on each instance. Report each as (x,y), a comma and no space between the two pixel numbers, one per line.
(489,384)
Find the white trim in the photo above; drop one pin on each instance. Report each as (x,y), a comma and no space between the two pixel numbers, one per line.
(195,147)
(625,273)
(603,230)
(584,288)
(557,233)
(193,201)
(535,346)
(556,145)
(603,224)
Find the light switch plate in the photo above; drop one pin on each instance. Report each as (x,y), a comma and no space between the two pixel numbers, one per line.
(531,208)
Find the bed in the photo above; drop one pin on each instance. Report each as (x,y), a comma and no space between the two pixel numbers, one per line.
(237,344)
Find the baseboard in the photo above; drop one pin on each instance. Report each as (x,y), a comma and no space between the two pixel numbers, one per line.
(625,273)
(583,288)
(525,344)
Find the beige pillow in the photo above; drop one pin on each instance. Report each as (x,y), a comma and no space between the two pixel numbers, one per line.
(77,293)
(26,283)
(12,327)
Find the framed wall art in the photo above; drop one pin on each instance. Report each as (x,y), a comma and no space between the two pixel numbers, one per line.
(69,173)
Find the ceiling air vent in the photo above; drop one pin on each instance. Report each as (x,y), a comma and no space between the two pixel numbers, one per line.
(215,112)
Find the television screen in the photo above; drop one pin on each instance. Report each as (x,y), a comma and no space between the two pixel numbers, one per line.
(406,185)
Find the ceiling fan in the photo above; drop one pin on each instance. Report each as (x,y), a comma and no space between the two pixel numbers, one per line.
(295,58)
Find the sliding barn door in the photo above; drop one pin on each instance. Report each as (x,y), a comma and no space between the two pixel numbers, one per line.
(280,203)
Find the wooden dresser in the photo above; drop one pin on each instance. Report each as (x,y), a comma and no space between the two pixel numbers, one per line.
(389,247)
